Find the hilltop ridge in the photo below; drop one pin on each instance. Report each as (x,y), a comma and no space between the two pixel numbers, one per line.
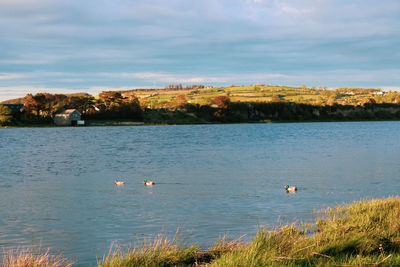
(259,93)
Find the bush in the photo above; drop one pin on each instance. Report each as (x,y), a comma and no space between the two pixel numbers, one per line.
(6,116)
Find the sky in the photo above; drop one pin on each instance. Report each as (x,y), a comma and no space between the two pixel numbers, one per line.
(67,46)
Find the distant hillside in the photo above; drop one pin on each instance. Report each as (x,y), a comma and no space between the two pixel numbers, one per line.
(233,104)
(157,98)
(12,101)
(259,93)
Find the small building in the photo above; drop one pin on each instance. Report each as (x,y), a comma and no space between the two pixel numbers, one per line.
(379,93)
(68,117)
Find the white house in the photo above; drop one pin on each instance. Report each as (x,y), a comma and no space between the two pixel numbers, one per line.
(68,117)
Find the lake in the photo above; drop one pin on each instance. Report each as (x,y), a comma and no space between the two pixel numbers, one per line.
(57,184)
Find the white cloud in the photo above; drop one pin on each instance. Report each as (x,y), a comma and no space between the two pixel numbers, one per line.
(186,78)
(9,76)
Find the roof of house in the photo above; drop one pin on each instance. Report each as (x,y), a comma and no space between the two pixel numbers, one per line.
(66,111)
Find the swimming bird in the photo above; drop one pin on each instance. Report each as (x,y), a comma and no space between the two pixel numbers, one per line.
(290,188)
(148,182)
(119,182)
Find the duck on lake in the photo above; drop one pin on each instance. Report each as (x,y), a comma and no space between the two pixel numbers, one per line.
(148,182)
(119,182)
(290,188)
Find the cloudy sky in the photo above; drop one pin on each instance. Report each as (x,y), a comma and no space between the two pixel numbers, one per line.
(93,45)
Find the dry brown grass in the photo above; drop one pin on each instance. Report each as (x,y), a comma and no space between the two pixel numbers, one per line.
(33,258)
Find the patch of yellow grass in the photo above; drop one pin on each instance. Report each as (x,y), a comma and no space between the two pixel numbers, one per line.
(31,258)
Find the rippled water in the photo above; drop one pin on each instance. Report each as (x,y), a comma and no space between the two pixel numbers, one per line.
(57,184)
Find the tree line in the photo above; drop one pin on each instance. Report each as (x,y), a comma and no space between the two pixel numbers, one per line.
(40,107)
(112,105)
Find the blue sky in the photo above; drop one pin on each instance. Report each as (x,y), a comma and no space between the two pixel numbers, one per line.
(65,46)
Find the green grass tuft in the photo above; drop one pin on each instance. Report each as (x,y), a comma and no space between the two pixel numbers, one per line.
(361,233)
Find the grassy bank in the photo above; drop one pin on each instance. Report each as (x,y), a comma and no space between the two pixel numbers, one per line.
(364,233)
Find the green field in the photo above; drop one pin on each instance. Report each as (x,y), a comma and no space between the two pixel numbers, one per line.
(159,98)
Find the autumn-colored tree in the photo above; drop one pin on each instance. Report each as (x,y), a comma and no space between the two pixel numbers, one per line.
(48,103)
(331,101)
(29,103)
(41,101)
(34,103)
(60,102)
(369,101)
(132,99)
(81,103)
(221,101)
(110,98)
(276,98)
(130,110)
(132,104)
(42,104)
(179,101)
(122,107)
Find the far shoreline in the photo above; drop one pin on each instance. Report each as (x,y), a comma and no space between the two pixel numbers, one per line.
(138,124)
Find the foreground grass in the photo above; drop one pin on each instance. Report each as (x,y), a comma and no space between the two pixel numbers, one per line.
(34,258)
(163,252)
(364,233)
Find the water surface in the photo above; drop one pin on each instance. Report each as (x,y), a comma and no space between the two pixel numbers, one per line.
(57,184)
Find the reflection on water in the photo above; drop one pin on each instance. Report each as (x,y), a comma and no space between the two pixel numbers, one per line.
(57,184)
